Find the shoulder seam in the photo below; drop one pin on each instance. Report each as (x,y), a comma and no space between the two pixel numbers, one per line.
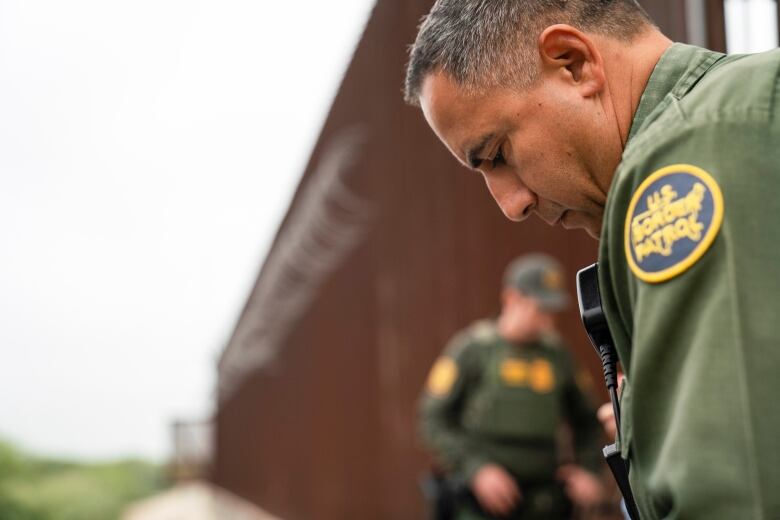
(773,97)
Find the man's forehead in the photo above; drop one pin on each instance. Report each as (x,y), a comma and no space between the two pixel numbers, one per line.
(460,119)
(442,94)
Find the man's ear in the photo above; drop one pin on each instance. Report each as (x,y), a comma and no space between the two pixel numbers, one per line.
(564,49)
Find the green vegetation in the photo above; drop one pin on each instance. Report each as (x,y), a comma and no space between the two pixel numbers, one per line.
(37,488)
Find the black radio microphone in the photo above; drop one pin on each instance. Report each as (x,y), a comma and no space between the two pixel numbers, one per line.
(595,322)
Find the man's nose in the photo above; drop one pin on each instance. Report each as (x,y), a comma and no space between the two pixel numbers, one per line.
(511,195)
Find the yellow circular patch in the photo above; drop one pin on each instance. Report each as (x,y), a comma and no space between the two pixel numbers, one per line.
(673,218)
(542,376)
(442,377)
(514,372)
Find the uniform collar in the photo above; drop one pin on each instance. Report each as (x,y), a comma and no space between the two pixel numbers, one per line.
(678,70)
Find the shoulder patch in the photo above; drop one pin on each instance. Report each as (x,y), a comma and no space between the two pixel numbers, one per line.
(673,218)
(443,375)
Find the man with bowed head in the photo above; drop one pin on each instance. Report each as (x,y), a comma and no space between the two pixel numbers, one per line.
(584,113)
(495,400)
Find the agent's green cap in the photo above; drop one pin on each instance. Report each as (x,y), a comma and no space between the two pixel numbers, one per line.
(540,277)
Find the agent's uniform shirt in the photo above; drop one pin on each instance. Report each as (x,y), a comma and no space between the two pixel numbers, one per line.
(490,401)
(690,281)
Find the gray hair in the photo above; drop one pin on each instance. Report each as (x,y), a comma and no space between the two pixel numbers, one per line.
(484,43)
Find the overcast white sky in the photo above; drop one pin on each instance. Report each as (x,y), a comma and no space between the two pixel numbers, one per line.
(751,25)
(148,151)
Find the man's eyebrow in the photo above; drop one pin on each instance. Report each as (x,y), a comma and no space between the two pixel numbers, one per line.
(473,154)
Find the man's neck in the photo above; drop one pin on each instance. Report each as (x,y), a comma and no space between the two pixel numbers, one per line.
(629,67)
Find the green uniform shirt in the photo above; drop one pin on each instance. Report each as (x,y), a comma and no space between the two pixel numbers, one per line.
(489,401)
(690,280)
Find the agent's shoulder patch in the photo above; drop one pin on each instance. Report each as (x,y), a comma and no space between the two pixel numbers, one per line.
(443,375)
(673,218)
